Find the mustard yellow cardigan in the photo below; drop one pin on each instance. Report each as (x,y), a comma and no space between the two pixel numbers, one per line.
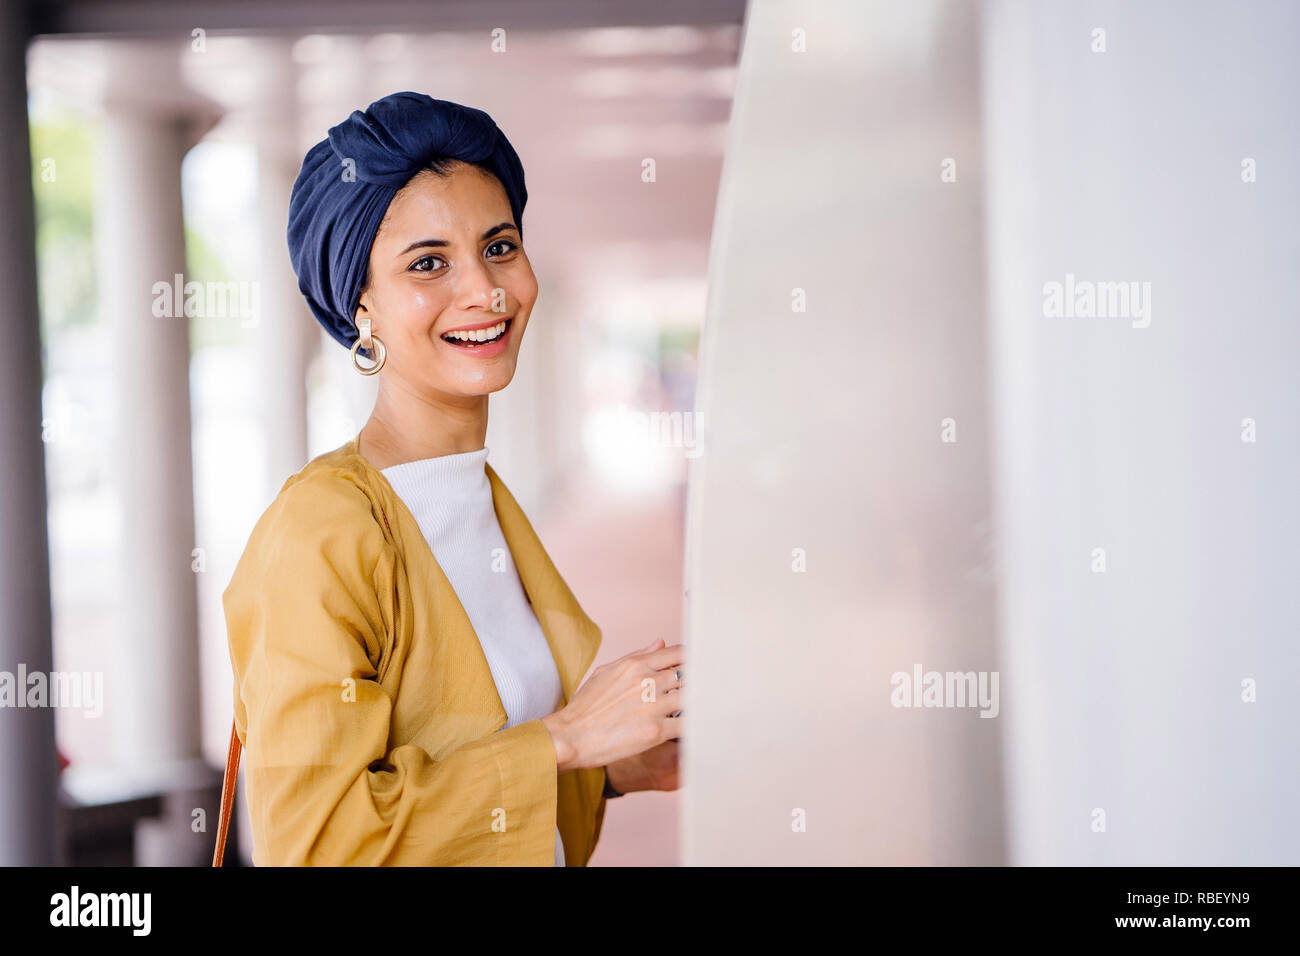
(364,701)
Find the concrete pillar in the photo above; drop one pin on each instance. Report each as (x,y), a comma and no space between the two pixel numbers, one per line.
(836,527)
(337,81)
(28,783)
(287,335)
(148,125)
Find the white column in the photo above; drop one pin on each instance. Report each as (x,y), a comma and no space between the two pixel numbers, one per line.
(339,82)
(836,525)
(147,127)
(287,336)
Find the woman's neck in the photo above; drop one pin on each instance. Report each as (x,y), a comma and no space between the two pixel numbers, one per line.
(406,428)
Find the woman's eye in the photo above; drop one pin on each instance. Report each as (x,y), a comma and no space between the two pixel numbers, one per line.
(505,245)
(424,264)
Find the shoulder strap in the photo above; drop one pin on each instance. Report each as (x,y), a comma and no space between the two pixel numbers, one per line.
(227,794)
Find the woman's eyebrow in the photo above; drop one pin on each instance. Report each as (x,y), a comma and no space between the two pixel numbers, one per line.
(443,242)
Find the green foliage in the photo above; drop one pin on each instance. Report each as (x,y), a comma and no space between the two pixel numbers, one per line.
(64,188)
(203,264)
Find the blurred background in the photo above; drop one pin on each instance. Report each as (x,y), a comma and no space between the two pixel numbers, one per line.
(164,143)
(876,340)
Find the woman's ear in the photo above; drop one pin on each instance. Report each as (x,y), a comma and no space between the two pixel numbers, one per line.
(363,311)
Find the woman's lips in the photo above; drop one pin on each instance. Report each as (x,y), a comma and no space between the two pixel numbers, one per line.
(484,349)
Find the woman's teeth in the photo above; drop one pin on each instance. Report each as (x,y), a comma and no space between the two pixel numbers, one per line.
(478,336)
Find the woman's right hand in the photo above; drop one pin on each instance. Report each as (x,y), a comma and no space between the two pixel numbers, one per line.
(610,716)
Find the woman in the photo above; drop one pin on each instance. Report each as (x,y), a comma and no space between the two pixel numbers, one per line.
(406,656)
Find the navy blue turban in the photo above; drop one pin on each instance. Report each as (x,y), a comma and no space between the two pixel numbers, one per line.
(349,178)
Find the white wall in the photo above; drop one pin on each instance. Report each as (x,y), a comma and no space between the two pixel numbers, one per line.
(1123,688)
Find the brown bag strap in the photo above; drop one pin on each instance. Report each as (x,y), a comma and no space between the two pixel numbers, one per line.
(227,794)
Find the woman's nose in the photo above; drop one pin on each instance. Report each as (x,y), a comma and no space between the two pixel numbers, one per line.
(476,288)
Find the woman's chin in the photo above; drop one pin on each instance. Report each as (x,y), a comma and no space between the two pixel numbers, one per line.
(491,378)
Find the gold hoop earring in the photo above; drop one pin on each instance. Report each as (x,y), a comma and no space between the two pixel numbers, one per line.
(368,340)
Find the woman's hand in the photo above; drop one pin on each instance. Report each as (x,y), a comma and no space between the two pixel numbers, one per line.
(622,710)
(654,769)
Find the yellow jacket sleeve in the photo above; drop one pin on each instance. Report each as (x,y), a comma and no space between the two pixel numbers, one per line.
(309,611)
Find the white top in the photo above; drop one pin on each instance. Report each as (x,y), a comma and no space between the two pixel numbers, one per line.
(451,498)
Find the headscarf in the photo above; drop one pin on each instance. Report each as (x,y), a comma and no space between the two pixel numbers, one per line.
(348,179)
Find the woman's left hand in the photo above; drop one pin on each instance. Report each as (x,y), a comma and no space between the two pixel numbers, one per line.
(653,769)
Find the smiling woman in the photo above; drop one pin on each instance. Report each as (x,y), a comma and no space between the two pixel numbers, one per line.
(451,307)
(407,659)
